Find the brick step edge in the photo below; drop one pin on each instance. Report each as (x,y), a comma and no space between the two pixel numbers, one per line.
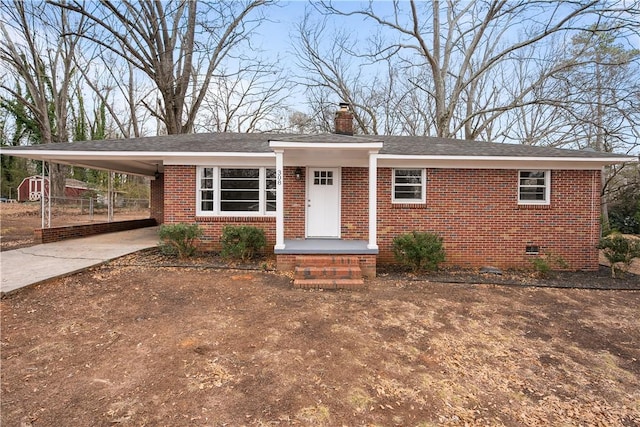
(333,272)
(327,260)
(329,284)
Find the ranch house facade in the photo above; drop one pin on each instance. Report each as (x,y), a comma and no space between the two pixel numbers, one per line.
(350,195)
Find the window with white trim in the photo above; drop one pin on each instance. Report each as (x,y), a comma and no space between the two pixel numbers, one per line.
(534,187)
(409,186)
(206,190)
(236,191)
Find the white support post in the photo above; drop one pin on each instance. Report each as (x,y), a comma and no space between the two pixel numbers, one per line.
(45,199)
(373,200)
(110,198)
(48,195)
(279,200)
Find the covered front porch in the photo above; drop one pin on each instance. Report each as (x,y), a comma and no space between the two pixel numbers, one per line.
(326,211)
(315,210)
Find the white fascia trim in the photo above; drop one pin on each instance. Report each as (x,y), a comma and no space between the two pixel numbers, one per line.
(324,145)
(495,162)
(221,161)
(129,154)
(511,158)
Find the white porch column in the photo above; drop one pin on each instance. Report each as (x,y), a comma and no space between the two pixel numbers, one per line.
(110,198)
(373,199)
(279,199)
(46,187)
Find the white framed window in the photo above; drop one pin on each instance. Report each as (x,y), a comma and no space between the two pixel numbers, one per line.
(409,186)
(534,187)
(207,179)
(237,191)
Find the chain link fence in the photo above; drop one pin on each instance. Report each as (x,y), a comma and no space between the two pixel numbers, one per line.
(68,211)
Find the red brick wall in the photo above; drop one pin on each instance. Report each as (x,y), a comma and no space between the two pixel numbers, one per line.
(477,214)
(180,206)
(157,199)
(294,204)
(355,203)
(179,194)
(475,211)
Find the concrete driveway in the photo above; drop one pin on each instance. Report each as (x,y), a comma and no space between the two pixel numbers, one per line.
(27,266)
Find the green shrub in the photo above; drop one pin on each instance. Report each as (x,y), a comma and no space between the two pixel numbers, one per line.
(242,242)
(547,262)
(420,251)
(624,210)
(619,250)
(179,239)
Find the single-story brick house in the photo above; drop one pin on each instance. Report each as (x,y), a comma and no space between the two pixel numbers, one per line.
(350,195)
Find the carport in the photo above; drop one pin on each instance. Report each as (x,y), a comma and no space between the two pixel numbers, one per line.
(94,156)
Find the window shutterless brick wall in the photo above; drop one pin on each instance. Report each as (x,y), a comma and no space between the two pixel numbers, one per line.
(476,211)
(180,206)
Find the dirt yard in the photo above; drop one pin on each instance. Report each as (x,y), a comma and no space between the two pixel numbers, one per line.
(149,341)
(135,345)
(18,220)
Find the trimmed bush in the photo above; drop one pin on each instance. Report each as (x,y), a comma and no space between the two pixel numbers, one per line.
(619,251)
(242,242)
(179,239)
(420,251)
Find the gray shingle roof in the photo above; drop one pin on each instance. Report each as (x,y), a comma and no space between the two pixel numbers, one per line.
(259,143)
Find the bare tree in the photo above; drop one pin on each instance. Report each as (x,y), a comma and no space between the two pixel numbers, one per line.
(601,99)
(41,60)
(328,70)
(121,92)
(585,98)
(167,40)
(252,99)
(459,47)
(601,92)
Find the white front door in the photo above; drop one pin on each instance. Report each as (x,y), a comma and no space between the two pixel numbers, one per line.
(323,202)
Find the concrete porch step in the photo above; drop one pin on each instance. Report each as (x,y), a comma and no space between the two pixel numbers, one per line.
(330,272)
(328,283)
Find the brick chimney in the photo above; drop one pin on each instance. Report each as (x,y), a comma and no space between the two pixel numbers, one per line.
(344,120)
